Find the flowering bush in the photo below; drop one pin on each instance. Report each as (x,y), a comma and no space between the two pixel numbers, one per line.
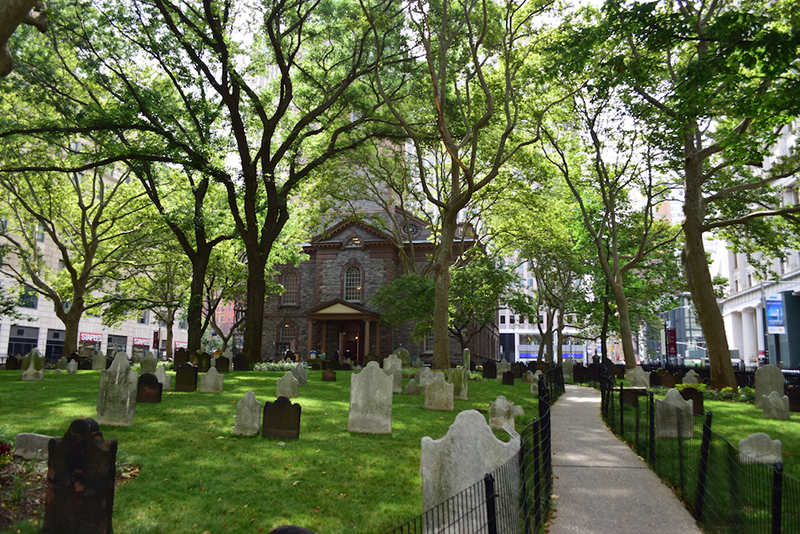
(285,365)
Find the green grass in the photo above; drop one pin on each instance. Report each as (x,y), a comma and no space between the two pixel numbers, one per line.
(196,476)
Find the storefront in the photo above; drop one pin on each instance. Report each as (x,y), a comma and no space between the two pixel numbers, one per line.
(116,344)
(55,345)
(141,345)
(89,341)
(22,340)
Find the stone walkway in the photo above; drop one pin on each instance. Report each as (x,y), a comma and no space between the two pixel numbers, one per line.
(600,484)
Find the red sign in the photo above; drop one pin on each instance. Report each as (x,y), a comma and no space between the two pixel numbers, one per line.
(672,342)
(141,342)
(181,345)
(155,338)
(94,338)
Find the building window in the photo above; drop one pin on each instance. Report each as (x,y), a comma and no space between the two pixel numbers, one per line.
(502,319)
(428,344)
(353,242)
(287,336)
(291,284)
(511,319)
(40,233)
(144,318)
(410,229)
(28,299)
(352,284)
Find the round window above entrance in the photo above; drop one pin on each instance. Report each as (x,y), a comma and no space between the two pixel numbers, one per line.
(411,229)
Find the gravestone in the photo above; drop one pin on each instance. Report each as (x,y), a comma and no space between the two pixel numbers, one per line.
(527,378)
(248,416)
(61,363)
(459,377)
(13,362)
(638,378)
(32,446)
(794,399)
(116,399)
(501,413)
(517,370)
(459,460)
(57,371)
(72,367)
(674,416)
(466,360)
(240,362)
(535,383)
(348,362)
(567,367)
(300,372)
(403,355)
(691,378)
(85,364)
(288,386)
(759,447)
(181,357)
(667,380)
(578,373)
(328,375)
(775,406)
(370,401)
(186,377)
(99,361)
(489,370)
(660,372)
(148,388)
(222,365)
(655,379)
(503,366)
(412,388)
(334,365)
(630,396)
(519,411)
(619,372)
(203,360)
(281,419)
(608,367)
(543,367)
(424,376)
(417,363)
(696,397)
(164,378)
(439,395)
(148,364)
(80,481)
(768,379)
(393,366)
(508,378)
(211,382)
(33,366)
(592,373)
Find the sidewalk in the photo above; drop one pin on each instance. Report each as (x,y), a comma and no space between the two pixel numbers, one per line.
(601,484)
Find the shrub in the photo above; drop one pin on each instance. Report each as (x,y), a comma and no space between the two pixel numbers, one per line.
(285,365)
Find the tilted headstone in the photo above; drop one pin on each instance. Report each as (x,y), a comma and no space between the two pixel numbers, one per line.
(164,378)
(439,395)
(412,388)
(288,386)
(281,419)
(696,397)
(181,357)
(116,400)
(370,401)
(148,364)
(248,416)
(759,447)
(466,359)
(501,413)
(691,378)
(393,366)
(240,362)
(32,446)
(228,355)
(567,367)
(99,361)
(503,366)
(211,381)
(639,378)
(508,378)
(459,460)
(459,377)
(768,379)
(775,406)
(61,363)
(80,481)
(33,366)
(186,377)
(148,388)
(300,372)
(489,370)
(674,416)
(72,367)
(328,375)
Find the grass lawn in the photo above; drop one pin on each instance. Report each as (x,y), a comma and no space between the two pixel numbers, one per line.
(196,476)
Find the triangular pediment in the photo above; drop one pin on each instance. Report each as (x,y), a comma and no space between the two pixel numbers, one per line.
(338,308)
(342,230)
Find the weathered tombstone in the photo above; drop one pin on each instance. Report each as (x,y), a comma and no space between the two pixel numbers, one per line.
(578,373)
(794,399)
(61,363)
(181,357)
(696,396)
(393,366)
(404,355)
(80,481)
(328,375)
(33,366)
(248,416)
(460,459)
(592,373)
(281,419)
(212,381)
(503,366)
(630,396)
(99,362)
(13,363)
(222,365)
(543,367)
(288,386)
(674,416)
(508,378)
(489,370)
(775,406)
(439,395)
(668,380)
(768,379)
(527,378)
(517,370)
(608,367)
(32,446)
(466,360)
(370,401)
(148,364)
(424,376)
(72,367)
(535,383)
(417,363)
(86,364)
(148,388)
(691,378)
(349,363)
(240,362)
(655,379)
(459,377)
(300,372)
(116,399)
(759,447)
(412,388)
(334,365)
(164,378)
(519,411)
(203,360)
(638,378)
(619,372)
(567,367)
(501,413)
(186,377)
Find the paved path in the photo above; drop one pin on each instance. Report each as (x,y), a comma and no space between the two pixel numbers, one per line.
(601,484)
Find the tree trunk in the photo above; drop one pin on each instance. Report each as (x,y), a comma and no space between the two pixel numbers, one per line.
(560,346)
(194,316)
(254,320)
(170,323)
(442,259)
(604,329)
(625,332)
(71,322)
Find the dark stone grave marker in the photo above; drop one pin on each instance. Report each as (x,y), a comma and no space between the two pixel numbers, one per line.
(186,378)
(508,378)
(490,370)
(181,357)
(13,363)
(240,362)
(543,367)
(346,367)
(578,373)
(223,364)
(281,419)
(334,365)
(667,380)
(794,399)
(203,360)
(148,388)
(517,369)
(619,372)
(655,379)
(80,481)
(631,396)
(593,372)
(85,365)
(328,375)
(696,397)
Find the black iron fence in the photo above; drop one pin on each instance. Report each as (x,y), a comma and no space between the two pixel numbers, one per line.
(515,497)
(726,490)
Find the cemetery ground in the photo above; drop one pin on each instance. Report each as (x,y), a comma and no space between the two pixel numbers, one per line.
(186,471)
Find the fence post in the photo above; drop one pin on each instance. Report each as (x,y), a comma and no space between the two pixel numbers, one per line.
(524,483)
(537,474)
(491,509)
(777,496)
(652,430)
(621,412)
(701,476)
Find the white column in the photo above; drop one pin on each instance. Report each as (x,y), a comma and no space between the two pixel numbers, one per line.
(749,333)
